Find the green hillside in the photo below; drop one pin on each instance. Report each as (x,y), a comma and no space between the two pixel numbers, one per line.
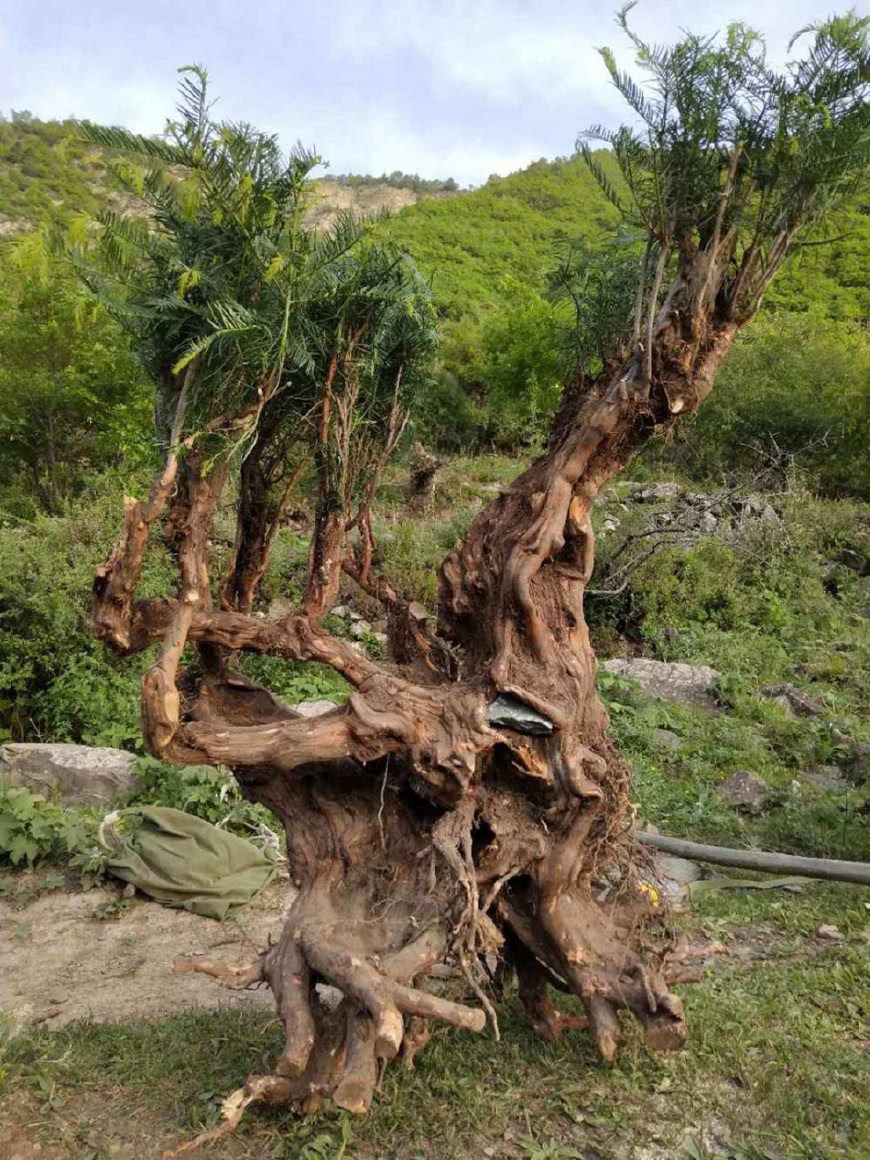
(45,172)
(508,227)
(472,244)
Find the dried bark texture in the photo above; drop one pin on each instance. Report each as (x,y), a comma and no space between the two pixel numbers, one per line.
(416,829)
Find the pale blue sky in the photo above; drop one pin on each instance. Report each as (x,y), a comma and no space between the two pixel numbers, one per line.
(438,87)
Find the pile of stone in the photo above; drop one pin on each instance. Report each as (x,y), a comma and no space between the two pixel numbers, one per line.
(357,624)
(687,515)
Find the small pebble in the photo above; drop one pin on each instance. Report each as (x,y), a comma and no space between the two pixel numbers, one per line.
(829,932)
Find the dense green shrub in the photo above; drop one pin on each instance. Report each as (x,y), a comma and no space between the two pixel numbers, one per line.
(523,364)
(73,398)
(35,830)
(209,792)
(795,391)
(55,680)
(447,416)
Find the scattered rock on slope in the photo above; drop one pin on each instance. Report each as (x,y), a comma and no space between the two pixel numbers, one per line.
(825,777)
(665,739)
(671,681)
(745,790)
(793,700)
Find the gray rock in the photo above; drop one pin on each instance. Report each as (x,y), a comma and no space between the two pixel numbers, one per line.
(279,608)
(677,869)
(77,774)
(857,561)
(509,712)
(708,522)
(341,610)
(665,739)
(785,704)
(800,704)
(829,932)
(656,492)
(744,790)
(674,876)
(859,770)
(670,681)
(825,777)
(769,515)
(314,708)
(360,628)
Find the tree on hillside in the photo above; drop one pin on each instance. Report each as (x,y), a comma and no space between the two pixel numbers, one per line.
(468,800)
(73,399)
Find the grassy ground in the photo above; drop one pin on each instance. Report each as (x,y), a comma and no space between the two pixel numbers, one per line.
(778,1065)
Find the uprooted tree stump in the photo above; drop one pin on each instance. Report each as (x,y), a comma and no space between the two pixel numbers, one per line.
(422,469)
(467,801)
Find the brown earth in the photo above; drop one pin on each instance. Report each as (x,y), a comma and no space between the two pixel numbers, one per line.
(59,962)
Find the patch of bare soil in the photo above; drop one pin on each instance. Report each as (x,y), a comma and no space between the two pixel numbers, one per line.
(91,1123)
(61,962)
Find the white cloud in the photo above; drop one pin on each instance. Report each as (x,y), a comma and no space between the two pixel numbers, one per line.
(58,84)
(442,87)
(509,50)
(506,51)
(374,138)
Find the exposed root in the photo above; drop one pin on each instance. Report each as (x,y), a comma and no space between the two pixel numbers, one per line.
(270,1089)
(237,977)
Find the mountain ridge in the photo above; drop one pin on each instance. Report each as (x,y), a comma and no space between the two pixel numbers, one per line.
(474,245)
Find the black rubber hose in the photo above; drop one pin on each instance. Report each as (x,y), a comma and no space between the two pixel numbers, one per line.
(765,863)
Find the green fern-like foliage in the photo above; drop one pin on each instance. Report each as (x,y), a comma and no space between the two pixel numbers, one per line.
(726,148)
(231,298)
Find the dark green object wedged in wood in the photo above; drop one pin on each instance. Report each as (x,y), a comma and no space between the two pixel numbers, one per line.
(181,860)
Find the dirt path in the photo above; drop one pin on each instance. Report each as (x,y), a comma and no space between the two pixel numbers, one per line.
(59,962)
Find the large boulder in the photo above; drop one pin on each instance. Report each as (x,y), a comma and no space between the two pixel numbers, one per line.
(670,681)
(76,774)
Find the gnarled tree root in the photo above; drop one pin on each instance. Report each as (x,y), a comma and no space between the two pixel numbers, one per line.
(338,1050)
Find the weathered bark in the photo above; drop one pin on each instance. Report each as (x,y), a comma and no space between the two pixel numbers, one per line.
(250,550)
(417,827)
(268,478)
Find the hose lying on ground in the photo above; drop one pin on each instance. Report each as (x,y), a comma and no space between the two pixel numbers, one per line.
(764,862)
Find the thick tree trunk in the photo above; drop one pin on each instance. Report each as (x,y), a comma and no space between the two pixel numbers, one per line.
(422,820)
(250,550)
(324,561)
